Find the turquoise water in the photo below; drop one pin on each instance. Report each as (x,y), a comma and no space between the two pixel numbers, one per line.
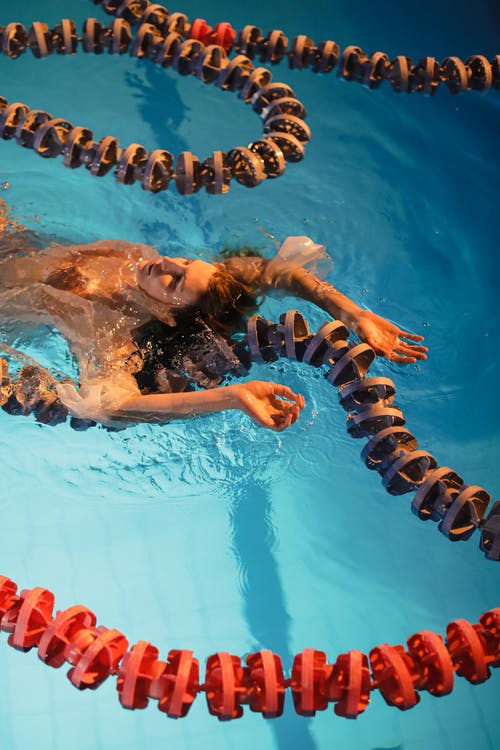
(215,534)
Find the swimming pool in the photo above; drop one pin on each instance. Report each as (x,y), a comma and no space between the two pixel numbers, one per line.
(208,535)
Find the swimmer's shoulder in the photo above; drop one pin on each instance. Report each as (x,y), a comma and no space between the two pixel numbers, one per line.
(132,251)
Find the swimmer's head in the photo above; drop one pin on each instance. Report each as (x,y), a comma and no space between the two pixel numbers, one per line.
(194,286)
(175,281)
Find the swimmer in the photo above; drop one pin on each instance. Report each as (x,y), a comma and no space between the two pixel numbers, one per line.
(112,300)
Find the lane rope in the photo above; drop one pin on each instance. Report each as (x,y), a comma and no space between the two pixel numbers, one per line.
(285,132)
(441,495)
(392,450)
(95,652)
(477,73)
(170,40)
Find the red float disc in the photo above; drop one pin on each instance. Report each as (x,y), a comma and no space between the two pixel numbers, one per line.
(138,668)
(99,660)
(200,30)
(223,35)
(8,596)
(309,683)
(223,685)
(466,651)
(186,682)
(267,683)
(33,617)
(351,691)
(491,623)
(432,661)
(392,676)
(61,631)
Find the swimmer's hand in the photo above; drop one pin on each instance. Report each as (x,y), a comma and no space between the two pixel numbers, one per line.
(271,405)
(387,339)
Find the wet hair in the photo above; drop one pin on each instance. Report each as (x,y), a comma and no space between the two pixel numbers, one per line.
(226,302)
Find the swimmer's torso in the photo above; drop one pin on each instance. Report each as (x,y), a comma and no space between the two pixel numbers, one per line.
(90,294)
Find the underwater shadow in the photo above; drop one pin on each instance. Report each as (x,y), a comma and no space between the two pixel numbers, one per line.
(162,108)
(159,104)
(252,540)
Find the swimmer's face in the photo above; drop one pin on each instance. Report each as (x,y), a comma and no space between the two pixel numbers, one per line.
(174,281)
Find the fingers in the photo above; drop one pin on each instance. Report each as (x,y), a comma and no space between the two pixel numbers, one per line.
(285,412)
(411,336)
(285,392)
(294,413)
(416,352)
(262,416)
(412,347)
(281,421)
(273,411)
(400,359)
(275,415)
(275,418)
(405,355)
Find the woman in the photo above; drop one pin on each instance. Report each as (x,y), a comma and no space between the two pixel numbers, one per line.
(123,309)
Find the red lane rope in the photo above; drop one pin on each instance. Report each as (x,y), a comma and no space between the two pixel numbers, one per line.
(429,662)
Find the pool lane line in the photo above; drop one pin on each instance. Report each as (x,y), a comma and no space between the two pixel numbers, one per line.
(392,450)
(477,73)
(285,132)
(428,663)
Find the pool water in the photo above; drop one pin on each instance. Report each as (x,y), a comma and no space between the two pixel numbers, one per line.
(216,534)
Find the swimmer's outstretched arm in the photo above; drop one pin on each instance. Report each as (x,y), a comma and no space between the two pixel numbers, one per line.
(269,404)
(386,338)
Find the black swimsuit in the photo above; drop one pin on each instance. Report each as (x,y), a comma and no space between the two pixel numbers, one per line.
(176,359)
